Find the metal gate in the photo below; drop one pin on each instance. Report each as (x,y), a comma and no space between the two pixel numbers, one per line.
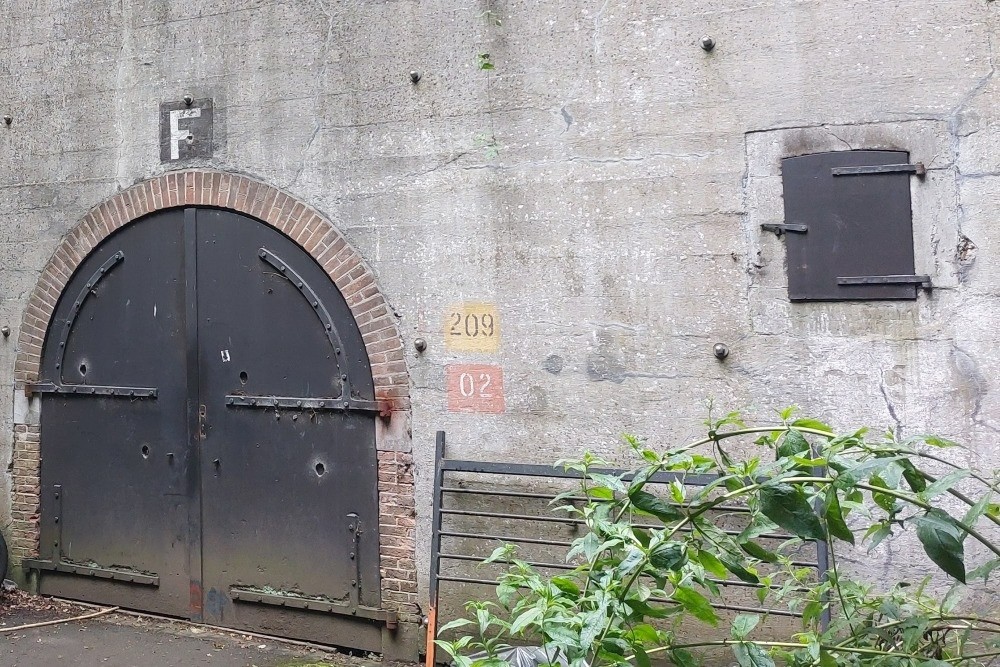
(208,434)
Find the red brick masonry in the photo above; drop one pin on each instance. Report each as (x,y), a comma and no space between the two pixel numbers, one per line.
(346,268)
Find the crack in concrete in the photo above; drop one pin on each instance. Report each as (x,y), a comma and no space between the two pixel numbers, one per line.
(968,367)
(122,104)
(597,30)
(890,406)
(325,10)
(838,137)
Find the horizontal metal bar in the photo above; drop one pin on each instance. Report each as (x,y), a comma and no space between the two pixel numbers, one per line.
(480,559)
(548,496)
(579,522)
(507,494)
(506,538)
(567,567)
(923,281)
(312,604)
(919,169)
(300,403)
(535,470)
(780,229)
(728,607)
(520,517)
(90,390)
(98,572)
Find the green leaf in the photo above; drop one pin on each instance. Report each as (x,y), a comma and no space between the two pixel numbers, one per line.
(504,551)
(600,493)
(644,632)
(878,532)
(677,491)
(793,443)
(827,660)
(668,556)
(835,517)
(648,611)
(525,619)
(751,655)
(711,564)
(566,585)
(588,545)
(612,482)
(884,500)
(695,604)
(813,424)
(788,507)
(560,634)
(977,511)
(457,623)
(942,443)
(743,625)
(941,538)
(593,623)
(683,658)
(758,552)
(655,506)
(812,611)
(985,570)
(913,476)
(738,568)
(641,659)
(944,484)
(864,470)
(631,561)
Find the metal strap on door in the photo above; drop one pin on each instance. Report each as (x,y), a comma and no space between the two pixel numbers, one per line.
(59,387)
(347,401)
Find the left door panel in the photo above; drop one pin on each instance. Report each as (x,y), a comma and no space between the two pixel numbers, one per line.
(116,475)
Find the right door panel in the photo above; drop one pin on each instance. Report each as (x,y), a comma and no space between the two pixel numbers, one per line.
(289,481)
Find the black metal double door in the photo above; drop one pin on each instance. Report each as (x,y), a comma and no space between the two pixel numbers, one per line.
(208,431)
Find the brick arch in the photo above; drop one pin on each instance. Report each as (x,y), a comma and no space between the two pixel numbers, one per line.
(318,236)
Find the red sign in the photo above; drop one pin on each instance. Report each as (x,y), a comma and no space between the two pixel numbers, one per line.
(475,388)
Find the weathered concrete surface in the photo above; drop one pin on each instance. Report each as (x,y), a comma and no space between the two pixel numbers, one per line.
(617,227)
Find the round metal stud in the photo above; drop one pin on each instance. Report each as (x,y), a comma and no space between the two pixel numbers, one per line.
(419,344)
(5,330)
(188,100)
(414,76)
(8,119)
(707,43)
(720,350)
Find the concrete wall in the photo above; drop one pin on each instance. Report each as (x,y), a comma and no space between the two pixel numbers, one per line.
(602,187)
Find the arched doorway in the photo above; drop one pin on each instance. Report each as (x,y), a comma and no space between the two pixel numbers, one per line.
(210,420)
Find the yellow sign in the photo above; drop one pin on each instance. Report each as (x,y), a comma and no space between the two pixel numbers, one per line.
(472,327)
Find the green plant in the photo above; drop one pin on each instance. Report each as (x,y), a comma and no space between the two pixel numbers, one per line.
(484,62)
(633,583)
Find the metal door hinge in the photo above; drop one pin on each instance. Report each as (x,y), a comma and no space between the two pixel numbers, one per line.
(780,229)
(923,281)
(919,169)
(89,390)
